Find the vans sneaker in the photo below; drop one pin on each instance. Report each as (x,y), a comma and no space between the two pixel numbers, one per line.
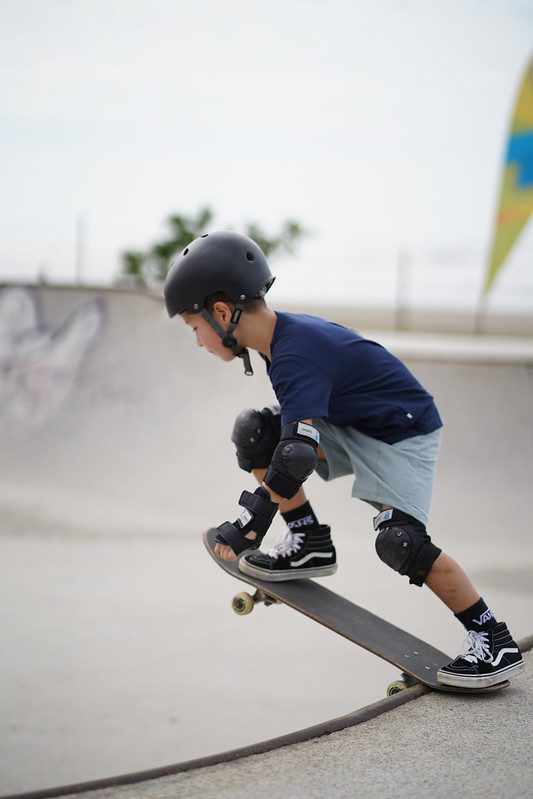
(309,553)
(489,657)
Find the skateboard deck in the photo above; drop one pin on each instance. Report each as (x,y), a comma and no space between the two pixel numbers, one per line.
(412,656)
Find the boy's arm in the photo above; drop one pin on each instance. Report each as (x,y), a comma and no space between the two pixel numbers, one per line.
(251,526)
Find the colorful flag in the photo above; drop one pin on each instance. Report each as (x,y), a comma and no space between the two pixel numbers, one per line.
(516,193)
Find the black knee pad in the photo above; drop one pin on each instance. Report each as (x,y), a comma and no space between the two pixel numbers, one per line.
(404,545)
(256,435)
(294,459)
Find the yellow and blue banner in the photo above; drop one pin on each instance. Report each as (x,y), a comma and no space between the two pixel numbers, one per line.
(516,193)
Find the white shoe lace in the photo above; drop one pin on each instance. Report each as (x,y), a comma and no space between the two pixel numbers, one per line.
(287,543)
(476,647)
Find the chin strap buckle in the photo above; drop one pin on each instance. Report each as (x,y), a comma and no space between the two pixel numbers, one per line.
(245,355)
(228,339)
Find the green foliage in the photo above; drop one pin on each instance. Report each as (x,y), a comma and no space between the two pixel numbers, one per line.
(286,239)
(149,269)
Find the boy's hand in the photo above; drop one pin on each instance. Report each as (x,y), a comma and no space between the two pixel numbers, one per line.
(225,552)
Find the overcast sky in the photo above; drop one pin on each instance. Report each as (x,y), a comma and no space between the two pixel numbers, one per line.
(376,124)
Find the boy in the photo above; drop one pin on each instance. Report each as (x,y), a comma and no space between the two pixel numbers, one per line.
(346,405)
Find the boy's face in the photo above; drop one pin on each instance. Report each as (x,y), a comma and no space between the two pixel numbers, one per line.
(205,335)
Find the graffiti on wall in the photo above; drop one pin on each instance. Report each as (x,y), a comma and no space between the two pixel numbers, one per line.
(40,362)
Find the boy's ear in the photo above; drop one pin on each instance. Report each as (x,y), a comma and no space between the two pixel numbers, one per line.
(223,310)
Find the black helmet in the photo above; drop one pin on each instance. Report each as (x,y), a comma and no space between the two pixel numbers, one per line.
(224,261)
(227,262)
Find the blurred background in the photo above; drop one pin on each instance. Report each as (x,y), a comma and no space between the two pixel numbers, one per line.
(380,126)
(381,153)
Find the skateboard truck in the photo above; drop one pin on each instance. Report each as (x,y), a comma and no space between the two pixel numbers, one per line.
(406,681)
(243,602)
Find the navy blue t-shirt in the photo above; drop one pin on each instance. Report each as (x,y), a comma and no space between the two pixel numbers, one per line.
(322,370)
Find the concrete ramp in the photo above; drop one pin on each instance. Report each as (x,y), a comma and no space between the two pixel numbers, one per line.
(105,403)
(103,406)
(119,647)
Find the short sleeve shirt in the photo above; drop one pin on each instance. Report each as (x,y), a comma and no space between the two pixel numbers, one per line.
(322,370)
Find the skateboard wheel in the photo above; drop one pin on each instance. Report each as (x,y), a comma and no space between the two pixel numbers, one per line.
(242,603)
(395,687)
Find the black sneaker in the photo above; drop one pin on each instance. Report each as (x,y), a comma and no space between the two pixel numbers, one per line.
(309,553)
(490,657)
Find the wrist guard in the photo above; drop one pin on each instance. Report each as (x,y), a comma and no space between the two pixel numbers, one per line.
(294,459)
(259,510)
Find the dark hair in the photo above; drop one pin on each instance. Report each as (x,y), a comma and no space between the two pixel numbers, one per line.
(252,306)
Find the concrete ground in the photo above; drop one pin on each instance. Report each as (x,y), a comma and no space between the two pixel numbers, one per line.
(119,650)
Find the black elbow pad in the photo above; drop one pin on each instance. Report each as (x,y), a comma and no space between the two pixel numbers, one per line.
(294,459)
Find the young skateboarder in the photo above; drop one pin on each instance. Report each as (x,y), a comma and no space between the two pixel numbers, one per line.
(346,405)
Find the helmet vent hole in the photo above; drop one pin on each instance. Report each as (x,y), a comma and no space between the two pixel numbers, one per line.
(250,256)
(204,235)
(185,251)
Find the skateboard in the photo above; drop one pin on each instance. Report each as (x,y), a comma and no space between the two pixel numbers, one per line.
(417,661)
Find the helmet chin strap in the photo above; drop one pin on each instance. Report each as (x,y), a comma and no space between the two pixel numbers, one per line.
(228,339)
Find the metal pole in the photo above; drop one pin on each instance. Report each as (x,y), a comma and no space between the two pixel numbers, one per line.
(79,262)
(402,291)
(480,312)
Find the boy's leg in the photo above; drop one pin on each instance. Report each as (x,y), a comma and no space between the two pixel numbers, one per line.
(304,550)
(299,499)
(285,505)
(491,655)
(452,586)
(449,582)
(400,478)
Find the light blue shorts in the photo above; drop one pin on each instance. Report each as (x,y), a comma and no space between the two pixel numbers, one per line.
(400,475)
